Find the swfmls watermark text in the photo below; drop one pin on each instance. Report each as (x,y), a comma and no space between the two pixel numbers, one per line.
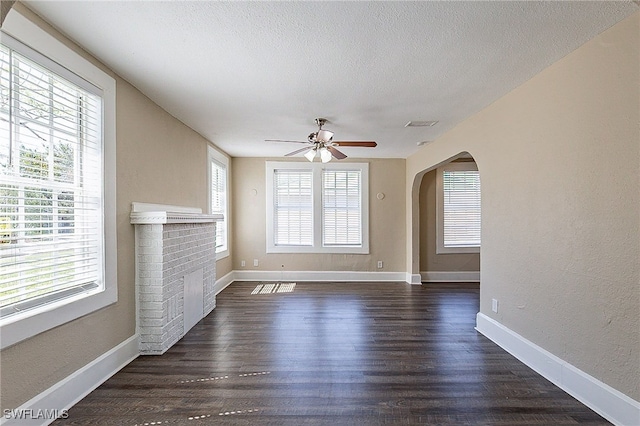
(37,414)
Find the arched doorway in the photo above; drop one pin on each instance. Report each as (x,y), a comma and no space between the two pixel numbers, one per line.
(429,259)
(449,222)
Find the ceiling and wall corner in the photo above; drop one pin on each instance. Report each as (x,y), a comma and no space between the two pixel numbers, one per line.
(242,72)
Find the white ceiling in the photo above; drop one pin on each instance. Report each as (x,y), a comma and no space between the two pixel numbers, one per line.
(242,72)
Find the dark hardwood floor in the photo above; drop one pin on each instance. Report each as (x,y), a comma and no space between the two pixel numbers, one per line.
(329,354)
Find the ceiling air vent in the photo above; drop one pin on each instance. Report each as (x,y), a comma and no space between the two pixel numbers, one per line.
(421,123)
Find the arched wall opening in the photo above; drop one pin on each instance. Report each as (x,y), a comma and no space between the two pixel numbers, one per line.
(439,263)
(422,226)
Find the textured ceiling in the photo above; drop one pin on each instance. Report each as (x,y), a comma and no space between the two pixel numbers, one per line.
(242,72)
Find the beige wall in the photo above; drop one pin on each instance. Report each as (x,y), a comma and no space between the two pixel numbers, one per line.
(559,163)
(430,261)
(386,227)
(159,160)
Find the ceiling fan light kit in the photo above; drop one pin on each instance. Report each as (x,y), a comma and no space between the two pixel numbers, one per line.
(310,155)
(325,155)
(321,144)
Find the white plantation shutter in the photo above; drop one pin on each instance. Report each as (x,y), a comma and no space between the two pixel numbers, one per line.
(51,228)
(341,208)
(219,202)
(317,207)
(461,214)
(293,207)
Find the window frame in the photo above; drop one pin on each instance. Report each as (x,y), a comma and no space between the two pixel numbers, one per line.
(440,247)
(317,194)
(213,155)
(19,327)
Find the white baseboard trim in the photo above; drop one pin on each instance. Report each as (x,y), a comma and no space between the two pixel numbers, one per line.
(446,276)
(610,403)
(67,392)
(339,276)
(346,276)
(223,282)
(414,279)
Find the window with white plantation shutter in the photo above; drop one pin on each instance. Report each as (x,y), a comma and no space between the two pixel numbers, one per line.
(317,207)
(459,213)
(219,201)
(293,208)
(51,244)
(341,208)
(218,172)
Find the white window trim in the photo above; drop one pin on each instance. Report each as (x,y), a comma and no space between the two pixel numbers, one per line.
(17,328)
(317,169)
(440,248)
(214,154)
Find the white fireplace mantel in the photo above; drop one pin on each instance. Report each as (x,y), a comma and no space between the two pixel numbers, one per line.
(164,217)
(151,214)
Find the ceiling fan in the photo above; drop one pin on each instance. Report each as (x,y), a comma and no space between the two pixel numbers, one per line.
(321,144)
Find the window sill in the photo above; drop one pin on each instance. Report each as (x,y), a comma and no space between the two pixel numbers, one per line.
(19,327)
(457,250)
(222,255)
(318,250)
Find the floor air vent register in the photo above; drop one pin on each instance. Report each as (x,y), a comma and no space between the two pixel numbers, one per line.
(274,288)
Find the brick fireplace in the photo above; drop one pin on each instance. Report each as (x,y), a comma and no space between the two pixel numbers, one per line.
(175,272)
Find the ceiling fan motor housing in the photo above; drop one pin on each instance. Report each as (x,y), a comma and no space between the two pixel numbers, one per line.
(321,122)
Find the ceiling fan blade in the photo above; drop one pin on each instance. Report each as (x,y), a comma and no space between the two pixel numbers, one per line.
(369,144)
(337,154)
(280,140)
(298,151)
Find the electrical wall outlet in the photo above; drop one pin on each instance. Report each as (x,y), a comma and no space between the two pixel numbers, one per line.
(243,263)
(379,264)
(255,262)
(494,305)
